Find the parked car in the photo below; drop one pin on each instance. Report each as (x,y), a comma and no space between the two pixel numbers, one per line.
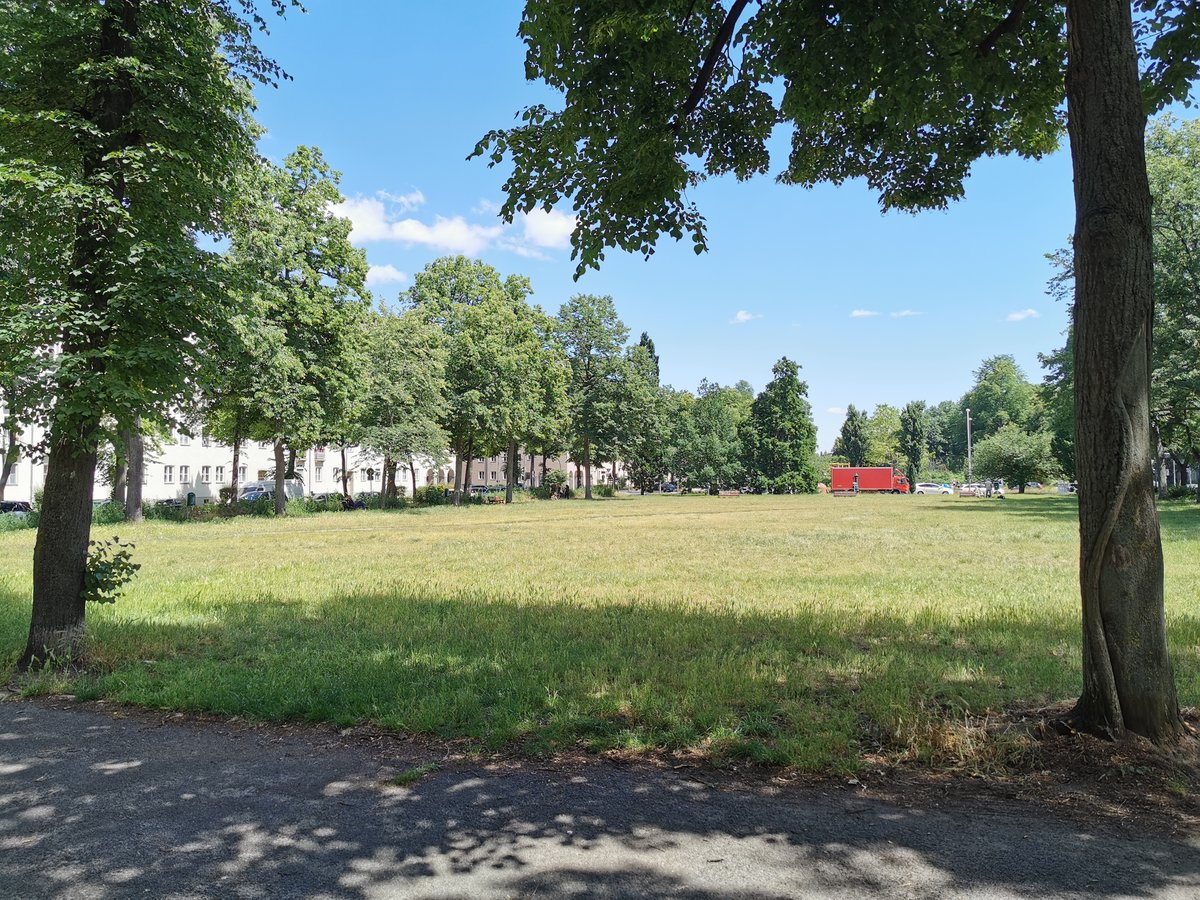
(256,494)
(18,509)
(928,487)
(973,489)
(668,487)
(173,502)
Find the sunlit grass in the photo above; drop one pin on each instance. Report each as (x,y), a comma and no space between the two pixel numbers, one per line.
(796,630)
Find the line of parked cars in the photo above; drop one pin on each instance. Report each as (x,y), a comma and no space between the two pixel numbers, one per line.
(18,509)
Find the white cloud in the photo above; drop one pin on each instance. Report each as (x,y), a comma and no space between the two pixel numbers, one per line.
(743,317)
(381,218)
(906,314)
(404,202)
(549,229)
(1022,314)
(862,313)
(389,274)
(836,411)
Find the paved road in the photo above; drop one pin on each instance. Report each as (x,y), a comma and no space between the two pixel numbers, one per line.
(94,807)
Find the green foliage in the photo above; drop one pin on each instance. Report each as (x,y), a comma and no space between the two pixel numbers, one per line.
(432,495)
(907,100)
(852,442)
(778,437)
(914,430)
(108,514)
(706,445)
(605,490)
(1015,455)
(882,429)
(110,567)
(593,337)
(9,522)
(555,484)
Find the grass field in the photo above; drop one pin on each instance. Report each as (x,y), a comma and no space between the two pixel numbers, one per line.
(806,631)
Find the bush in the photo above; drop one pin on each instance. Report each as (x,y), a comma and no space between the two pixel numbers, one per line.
(1181,492)
(604,490)
(263,506)
(108,514)
(158,513)
(432,495)
(556,485)
(9,522)
(110,567)
(794,483)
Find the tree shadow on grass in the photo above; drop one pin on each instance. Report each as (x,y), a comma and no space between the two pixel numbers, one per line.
(122,807)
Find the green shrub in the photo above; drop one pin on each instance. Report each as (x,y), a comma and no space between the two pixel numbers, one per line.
(157,513)
(110,567)
(556,485)
(432,495)
(263,506)
(604,490)
(9,522)
(108,514)
(794,483)
(1181,492)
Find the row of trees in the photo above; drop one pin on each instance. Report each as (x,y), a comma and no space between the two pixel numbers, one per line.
(1012,432)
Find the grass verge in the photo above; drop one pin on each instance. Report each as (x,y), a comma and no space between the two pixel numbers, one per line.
(802,631)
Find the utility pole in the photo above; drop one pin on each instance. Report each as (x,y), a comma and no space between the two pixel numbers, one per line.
(970,478)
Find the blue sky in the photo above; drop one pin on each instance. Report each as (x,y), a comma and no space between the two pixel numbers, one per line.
(875,308)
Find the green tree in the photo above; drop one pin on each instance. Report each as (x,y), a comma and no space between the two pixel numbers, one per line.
(708,448)
(883,436)
(660,94)
(644,418)
(914,433)
(476,309)
(1001,394)
(779,438)
(402,396)
(593,337)
(122,127)
(852,441)
(308,296)
(1016,455)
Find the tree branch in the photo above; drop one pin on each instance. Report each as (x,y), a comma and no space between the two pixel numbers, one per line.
(1008,25)
(722,39)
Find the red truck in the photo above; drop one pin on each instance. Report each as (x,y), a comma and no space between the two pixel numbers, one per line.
(861,479)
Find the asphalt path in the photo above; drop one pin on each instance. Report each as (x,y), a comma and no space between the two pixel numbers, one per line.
(97,806)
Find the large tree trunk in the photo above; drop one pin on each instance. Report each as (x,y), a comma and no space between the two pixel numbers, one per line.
(458,475)
(345,475)
(135,456)
(1127,679)
(237,454)
(511,474)
(412,470)
(389,482)
(56,628)
(291,462)
(120,477)
(1160,461)
(280,478)
(587,467)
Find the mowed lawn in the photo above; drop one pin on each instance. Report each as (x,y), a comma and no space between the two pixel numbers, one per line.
(805,631)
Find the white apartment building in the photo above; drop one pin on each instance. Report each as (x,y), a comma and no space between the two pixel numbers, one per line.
(198,465)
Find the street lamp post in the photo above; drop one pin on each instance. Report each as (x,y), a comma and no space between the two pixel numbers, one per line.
(970,475)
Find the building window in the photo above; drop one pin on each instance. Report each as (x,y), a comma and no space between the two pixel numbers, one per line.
(494,475)
(263,445)
(317,473)
(220,474)
(12,476)
(482,474)
(184,439)
(206,474)
(185,475)
(205,440)
(241,473)
(168,474)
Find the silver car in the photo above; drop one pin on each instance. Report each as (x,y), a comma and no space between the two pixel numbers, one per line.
(929,487)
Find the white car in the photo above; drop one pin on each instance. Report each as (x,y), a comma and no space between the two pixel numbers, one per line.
(931,488)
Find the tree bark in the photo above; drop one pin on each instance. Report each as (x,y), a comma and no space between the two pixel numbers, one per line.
(1160,461)
(135,456)
(412,470)
(120,470)
(458,475)
(389,482)
(345,475)
(9,459)
(1127,679)
(237,454)
(56,628)
(280,478)
(511,474)
(587,467)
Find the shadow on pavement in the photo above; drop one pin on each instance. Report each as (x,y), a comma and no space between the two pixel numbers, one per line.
(98,807)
